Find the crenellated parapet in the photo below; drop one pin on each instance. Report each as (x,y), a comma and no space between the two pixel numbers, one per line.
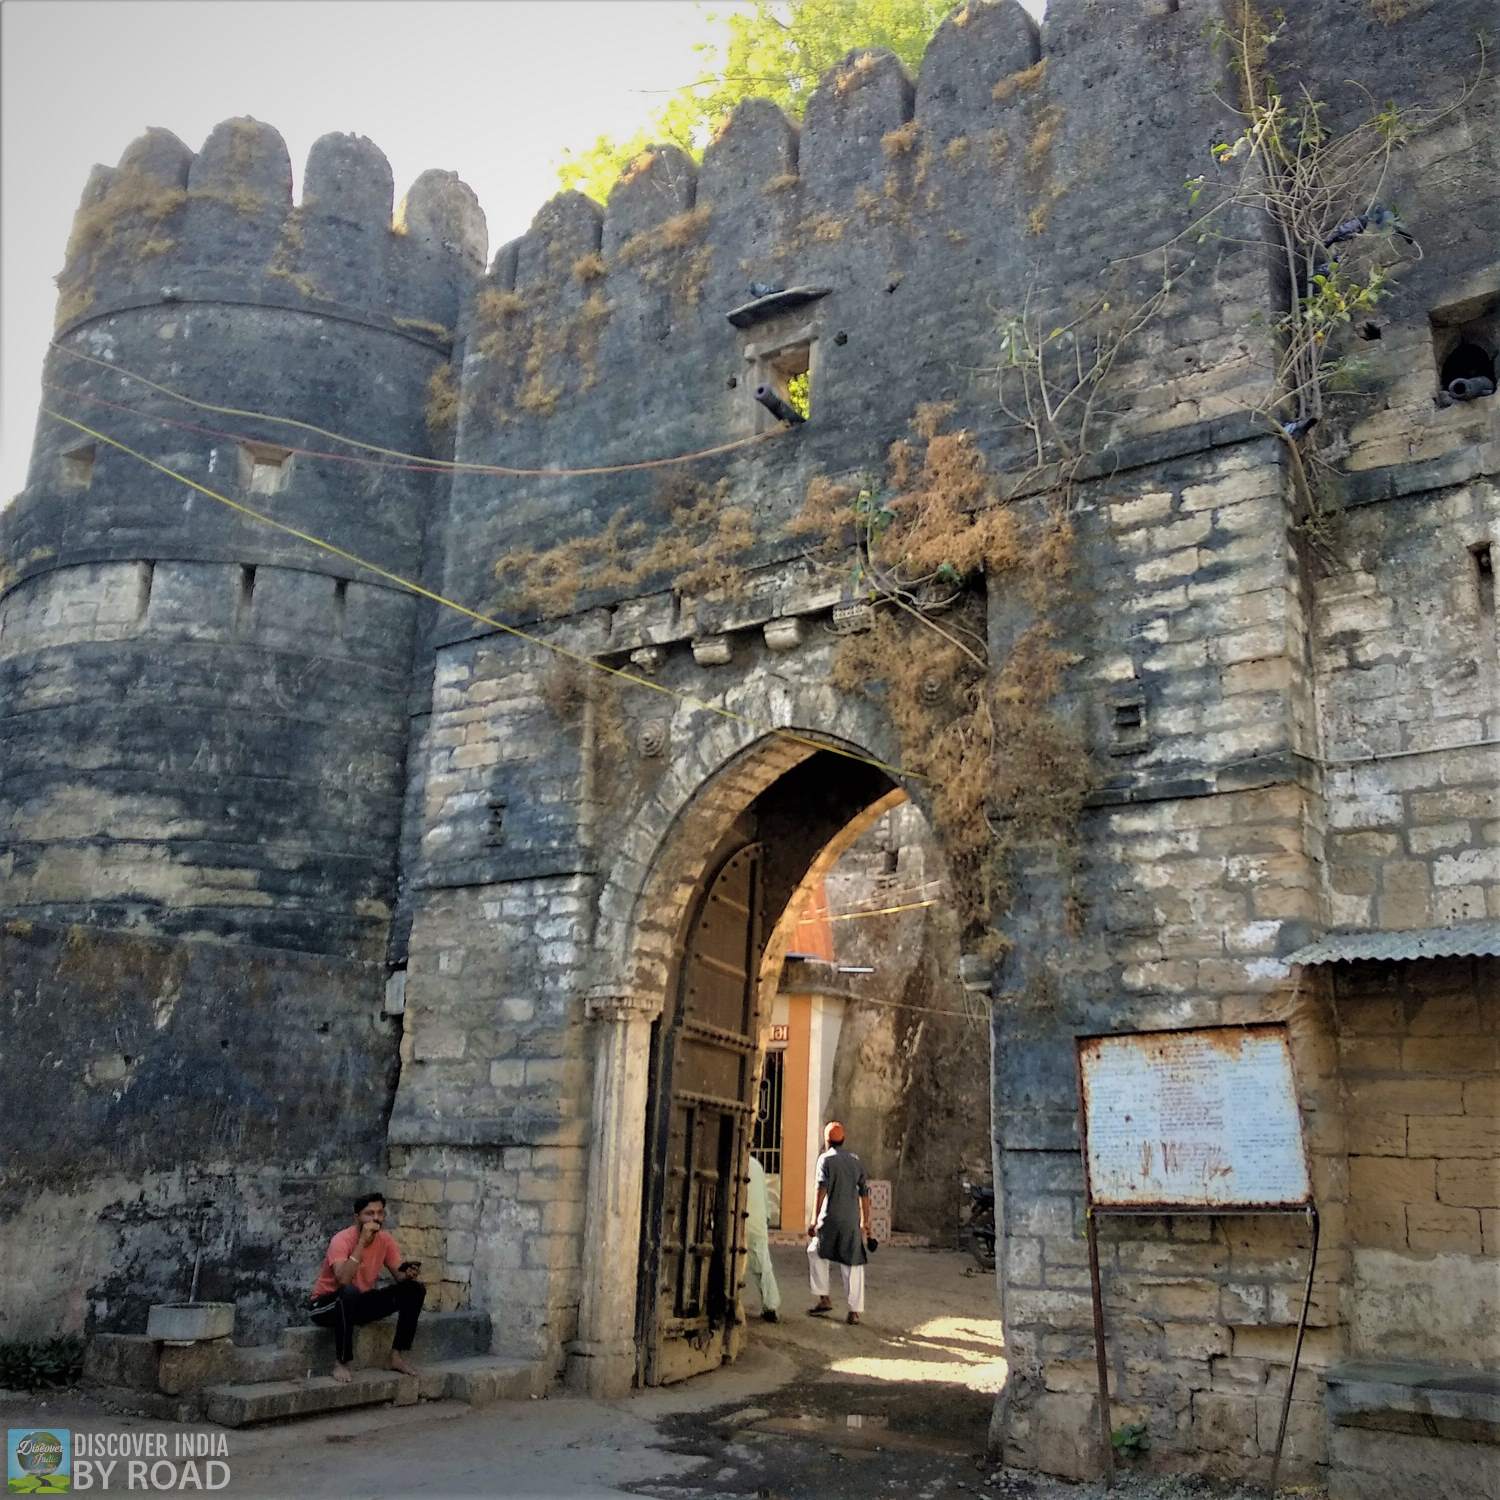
(199,305)
(170,225)
(1022,167)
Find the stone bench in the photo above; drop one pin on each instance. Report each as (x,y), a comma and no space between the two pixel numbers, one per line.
(170,1380)
(477,1380)
(1402,1429)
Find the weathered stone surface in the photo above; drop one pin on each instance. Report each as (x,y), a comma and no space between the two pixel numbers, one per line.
(241,782)
(240,1405)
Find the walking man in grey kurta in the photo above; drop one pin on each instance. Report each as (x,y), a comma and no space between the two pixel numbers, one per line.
(840,1226)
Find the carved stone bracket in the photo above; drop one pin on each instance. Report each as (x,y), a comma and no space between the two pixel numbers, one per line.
(975,972)
(606,1002)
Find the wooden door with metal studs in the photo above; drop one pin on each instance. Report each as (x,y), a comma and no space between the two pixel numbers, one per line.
(705,1113)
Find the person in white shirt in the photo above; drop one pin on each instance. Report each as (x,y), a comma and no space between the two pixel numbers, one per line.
(758,1244)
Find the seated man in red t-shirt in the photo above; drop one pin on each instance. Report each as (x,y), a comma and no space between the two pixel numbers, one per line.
(345,1294)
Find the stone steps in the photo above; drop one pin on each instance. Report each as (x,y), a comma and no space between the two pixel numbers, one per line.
(440,1336)
(475,1379)
(133,1361)
(293,1377)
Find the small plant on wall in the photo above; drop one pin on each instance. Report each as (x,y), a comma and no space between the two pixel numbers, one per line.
(1336,236)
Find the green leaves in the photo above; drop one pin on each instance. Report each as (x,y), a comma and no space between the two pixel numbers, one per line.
(40,1364)
(874,514)
(1130,1439)
(778,50)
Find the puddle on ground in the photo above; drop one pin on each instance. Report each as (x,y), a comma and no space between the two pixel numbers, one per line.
(860,1431)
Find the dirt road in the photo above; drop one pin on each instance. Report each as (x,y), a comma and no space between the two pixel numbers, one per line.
(814,1410)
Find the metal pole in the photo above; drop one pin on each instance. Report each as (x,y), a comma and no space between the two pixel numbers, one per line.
(1105,1430)
(1291,1380)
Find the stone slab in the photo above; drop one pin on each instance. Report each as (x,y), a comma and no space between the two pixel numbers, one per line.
(182,1368)
(154,1404)
(121,1359)
(478,1380)
(440,1336)
(271,1400)
(483,1380)
(1433,1400)
(266,1362)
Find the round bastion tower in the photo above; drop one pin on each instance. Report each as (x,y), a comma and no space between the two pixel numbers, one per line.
(205,719)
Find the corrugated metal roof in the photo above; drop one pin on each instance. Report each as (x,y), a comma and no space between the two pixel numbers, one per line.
(1468,940)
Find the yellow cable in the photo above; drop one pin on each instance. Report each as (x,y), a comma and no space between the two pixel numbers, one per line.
(433,463)
(883,911)
(474,614)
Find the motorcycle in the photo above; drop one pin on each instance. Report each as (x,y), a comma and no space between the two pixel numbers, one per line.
(979,1229)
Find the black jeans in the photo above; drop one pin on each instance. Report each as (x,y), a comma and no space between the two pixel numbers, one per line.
(344,1311)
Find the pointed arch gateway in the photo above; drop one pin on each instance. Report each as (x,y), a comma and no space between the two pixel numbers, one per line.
(678,1049)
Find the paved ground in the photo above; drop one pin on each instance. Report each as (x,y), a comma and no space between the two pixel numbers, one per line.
(815,1410)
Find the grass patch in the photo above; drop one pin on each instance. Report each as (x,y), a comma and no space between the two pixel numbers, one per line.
(441,409)
(1015,84)
(427,326)
(902,139)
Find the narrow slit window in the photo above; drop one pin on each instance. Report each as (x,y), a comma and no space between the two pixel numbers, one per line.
(1127,725)
(264,469)
(1484,577)
(78,466)
(494,830)
(246,601)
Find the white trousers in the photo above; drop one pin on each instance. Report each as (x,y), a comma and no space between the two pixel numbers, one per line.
(854,1278)
(758,1256)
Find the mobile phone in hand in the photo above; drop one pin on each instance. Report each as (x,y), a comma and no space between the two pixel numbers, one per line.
(408,1265)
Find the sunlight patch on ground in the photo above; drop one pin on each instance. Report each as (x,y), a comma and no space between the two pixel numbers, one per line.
(982,1330)
(962,1350)
(972,1371)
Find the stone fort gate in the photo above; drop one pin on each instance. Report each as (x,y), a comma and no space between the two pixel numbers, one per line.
(309,879)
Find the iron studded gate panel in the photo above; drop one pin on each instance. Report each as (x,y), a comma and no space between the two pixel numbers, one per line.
(706,1084)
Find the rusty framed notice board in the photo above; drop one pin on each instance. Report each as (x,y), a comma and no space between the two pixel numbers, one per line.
(1198,1121)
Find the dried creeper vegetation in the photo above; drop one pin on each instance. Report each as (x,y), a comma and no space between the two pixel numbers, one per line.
(1003,771)
(508,322)
(671,255)
(130,217)
(442,406)
(130,213)
(579,697)
(698,548)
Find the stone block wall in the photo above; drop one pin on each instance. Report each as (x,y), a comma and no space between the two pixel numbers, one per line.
(1200,1311)
(169,1096)
(498,1227)
(492,1116)
(1307,735)
(922,207)
(1418,1049)
(911,1070)
(203,722)
(1408,673)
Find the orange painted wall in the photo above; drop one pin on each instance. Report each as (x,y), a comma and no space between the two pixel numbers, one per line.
(813,934)
(794,1105)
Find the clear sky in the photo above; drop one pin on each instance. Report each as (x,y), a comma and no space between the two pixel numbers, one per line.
(491,89)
